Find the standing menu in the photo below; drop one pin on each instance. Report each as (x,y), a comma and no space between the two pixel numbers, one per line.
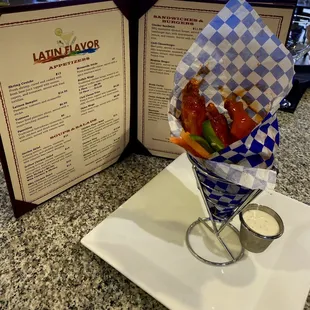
(64,95)
(65,87)
(166,32)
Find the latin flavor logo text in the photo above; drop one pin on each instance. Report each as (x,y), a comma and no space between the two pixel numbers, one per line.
(67,47)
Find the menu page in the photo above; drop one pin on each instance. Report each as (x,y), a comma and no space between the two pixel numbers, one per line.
(64,95)
(166,32)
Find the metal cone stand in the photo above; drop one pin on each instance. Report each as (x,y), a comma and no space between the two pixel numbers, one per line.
(217,226)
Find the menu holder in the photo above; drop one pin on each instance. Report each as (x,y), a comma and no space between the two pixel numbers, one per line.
(64,95)
(69,105)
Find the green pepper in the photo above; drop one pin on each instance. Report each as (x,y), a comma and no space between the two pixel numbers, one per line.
(203,143)
(211,137)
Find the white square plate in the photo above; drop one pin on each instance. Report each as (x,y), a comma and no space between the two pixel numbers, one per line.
(145,240)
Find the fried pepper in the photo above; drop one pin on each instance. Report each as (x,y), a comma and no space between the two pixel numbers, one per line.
(242,124)
(193,109)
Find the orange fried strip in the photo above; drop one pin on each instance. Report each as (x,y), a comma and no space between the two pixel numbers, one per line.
(182,143)
(194,145)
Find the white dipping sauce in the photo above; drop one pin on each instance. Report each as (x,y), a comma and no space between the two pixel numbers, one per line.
(261,222)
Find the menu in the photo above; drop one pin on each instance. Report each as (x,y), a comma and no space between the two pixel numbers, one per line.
(64,95)
(65,86)
(166,32)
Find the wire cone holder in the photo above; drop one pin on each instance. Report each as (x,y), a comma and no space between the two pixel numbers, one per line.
(223,200)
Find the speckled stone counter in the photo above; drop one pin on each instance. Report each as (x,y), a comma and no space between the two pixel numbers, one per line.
(44,266)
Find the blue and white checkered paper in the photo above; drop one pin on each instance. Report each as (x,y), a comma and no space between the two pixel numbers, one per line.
(222,196)
(243,58)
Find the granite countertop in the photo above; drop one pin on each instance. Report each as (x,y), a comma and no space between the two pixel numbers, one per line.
(43,264)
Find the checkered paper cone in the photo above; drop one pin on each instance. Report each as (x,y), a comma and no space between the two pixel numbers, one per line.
(241,57)
(222,196)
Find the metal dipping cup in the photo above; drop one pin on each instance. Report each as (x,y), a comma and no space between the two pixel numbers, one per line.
(253,241)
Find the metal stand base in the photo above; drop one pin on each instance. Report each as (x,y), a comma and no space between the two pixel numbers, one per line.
(215,230)
(229,252)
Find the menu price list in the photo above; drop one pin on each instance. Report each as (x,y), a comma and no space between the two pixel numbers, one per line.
(66,117)
(167,34)
(43,109)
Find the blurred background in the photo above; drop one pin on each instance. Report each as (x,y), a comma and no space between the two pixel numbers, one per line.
(299,38)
